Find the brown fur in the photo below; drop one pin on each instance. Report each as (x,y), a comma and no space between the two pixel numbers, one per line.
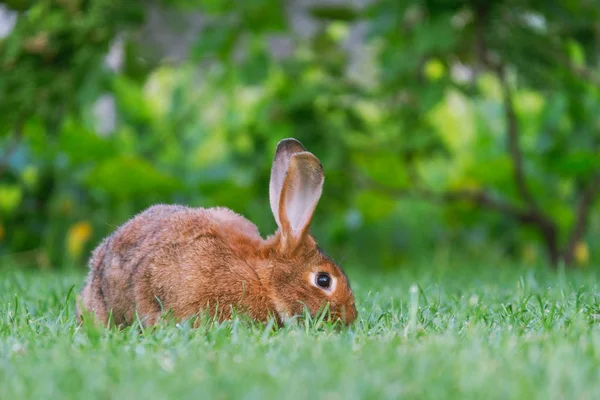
(187,260)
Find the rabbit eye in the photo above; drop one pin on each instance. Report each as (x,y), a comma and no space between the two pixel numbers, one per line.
(323,280)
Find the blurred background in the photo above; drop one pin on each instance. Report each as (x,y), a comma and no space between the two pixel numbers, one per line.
(450,131)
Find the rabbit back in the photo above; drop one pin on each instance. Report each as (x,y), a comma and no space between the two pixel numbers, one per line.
(174,258)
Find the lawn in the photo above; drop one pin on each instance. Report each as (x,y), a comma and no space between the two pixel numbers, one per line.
(465,333)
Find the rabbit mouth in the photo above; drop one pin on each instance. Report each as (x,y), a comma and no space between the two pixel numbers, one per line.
(346,314)
(284,314)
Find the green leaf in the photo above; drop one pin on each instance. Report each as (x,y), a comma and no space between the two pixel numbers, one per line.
(334,12)
(575,164)
(379,166)
(435,35)
(217,40)
(576,53)
(374,206)
(492,171)
(82,145)
(10,198)
(127,176)
(263,15)
(256,68)
(18,5)
(130,99)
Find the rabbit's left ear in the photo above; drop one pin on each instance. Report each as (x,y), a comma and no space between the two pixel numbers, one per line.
(284,152)
(300,194)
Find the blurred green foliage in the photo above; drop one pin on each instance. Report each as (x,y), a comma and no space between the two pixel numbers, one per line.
(449,127)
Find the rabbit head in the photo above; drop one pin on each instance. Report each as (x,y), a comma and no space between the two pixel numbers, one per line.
(301,274)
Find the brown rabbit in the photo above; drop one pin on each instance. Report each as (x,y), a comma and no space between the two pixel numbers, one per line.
(187,260)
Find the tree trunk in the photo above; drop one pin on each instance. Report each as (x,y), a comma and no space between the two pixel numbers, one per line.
(550,236)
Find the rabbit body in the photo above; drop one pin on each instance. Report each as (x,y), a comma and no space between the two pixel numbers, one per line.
(178,258)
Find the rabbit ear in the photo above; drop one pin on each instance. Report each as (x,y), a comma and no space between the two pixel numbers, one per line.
(285,150)
(300,194)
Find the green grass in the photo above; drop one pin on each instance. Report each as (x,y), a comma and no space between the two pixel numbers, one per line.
(499,333)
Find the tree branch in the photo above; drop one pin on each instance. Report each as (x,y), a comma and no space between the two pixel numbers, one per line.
(533,213)
(514,149)
(583,73)
(581,218)
(579,71)
(512,124)
(481,198)
(476,197)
